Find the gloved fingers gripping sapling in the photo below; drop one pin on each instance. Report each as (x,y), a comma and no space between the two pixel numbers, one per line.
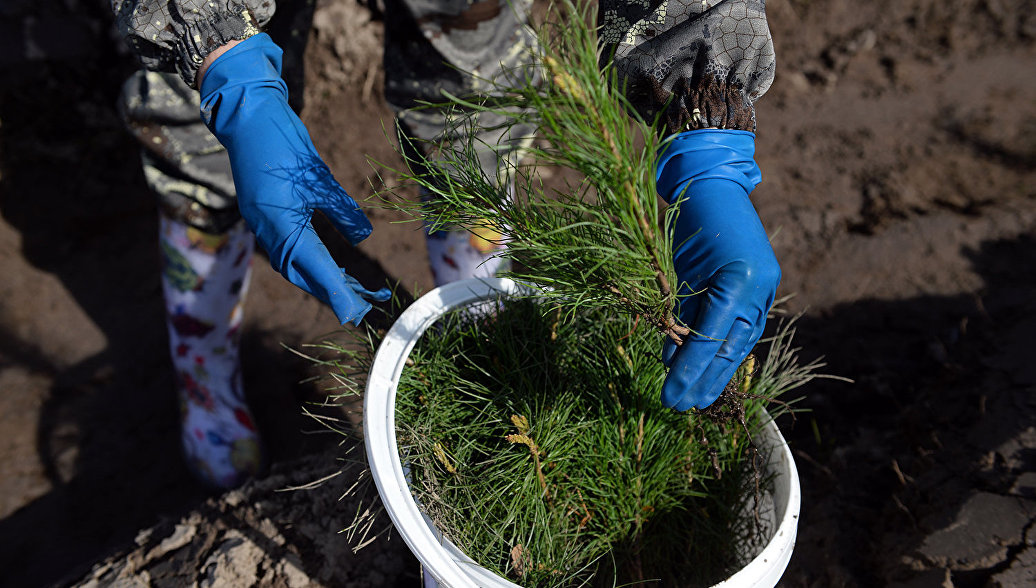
(727,270)
(279,176)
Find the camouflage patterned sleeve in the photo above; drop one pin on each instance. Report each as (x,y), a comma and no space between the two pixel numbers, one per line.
(428,43)
(697,63)
(176,35)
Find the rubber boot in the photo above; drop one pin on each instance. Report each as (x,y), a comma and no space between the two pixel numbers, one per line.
(205,279)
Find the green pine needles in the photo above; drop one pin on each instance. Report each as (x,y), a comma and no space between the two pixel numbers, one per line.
(537,444)
(597,241)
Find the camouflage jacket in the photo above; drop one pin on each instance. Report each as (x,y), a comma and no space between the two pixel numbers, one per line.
(698,63)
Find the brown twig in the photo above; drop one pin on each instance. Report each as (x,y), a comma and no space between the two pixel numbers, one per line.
(523,438)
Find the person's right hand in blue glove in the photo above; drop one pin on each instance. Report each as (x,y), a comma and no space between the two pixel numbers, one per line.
(279,176)
(727,269)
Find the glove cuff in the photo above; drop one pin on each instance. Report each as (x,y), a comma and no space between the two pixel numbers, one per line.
(706,154)
(252,64)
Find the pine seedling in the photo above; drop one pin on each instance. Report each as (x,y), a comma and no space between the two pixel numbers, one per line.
(539,447)
(599,241)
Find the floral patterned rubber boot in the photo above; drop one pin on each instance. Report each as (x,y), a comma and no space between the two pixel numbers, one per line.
(204,279)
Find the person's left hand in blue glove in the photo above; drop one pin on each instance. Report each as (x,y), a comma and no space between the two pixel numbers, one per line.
(279,176)
(727,269)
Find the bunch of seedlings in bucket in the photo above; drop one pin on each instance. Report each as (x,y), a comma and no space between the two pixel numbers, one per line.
(532,427)
(537,444)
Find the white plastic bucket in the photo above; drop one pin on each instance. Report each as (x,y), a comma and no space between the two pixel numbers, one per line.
(443,560)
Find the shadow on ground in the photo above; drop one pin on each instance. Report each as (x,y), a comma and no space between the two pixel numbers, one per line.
(919,464)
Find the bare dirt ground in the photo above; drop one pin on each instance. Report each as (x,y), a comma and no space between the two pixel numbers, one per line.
(898,147)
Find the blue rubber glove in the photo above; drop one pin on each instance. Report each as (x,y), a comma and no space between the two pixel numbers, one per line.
(728,272)
(279,176)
